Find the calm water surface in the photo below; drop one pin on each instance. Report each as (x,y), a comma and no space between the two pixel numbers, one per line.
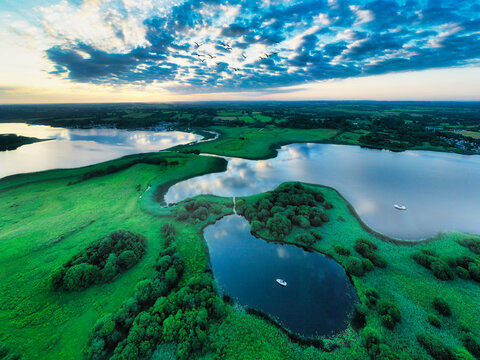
(440,190)
(318,299)
(72,148)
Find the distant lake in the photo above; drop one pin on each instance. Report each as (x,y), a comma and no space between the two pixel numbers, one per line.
(71,148)
(318,299)
(440,190)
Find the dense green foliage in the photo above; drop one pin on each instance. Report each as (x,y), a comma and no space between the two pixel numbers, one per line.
(441,306)
(439,268)
(160,312)
(290,205)
(466,266)
(366,248)
(196,210)
(100,262)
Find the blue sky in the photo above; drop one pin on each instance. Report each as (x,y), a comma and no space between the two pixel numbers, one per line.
(192,48)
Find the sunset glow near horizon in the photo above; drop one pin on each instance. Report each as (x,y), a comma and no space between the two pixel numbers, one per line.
(158,50)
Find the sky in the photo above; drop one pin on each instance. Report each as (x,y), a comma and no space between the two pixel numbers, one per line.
(56,51)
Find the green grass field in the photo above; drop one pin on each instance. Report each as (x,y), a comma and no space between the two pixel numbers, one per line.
(44,222)
(257,143)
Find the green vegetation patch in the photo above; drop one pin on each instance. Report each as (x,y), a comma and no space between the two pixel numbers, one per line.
(274,215)
(13,141)
(100,262)
(257,143)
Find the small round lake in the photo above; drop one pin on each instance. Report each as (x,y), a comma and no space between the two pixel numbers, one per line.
(70,148)
(318,299)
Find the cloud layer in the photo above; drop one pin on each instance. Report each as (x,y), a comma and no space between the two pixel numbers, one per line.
(234,45)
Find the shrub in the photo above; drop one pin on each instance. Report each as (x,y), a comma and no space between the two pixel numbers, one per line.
(354,266)
(342,250)
(279,226)
(182,214)
(435,347)
(434,320)
(316,235)
(472,244)
(168,229)
(474,271)
(362,245)
(465,260)
(462,354)
(390,313)
(370,337)
(472,343)
(328,205)
(359,316)
(305,239)
(3,351)
(371,297)
(201,213)
(257,226)
(366,248)
(441,306)
(441,270)
(423,259)
(462,273)
(367,265)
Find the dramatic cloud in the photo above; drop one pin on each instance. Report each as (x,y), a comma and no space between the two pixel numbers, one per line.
(217,45)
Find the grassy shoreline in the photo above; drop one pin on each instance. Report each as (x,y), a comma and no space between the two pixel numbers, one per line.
(264,143)
(45,221)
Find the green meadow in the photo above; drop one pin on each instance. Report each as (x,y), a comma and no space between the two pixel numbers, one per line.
(49,217)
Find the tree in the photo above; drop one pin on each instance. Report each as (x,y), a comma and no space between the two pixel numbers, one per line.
(127,259)
(110,269)
(279,225)
(80,276)
(441,306)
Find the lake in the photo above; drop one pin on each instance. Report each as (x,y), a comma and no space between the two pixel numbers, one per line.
(440,190)
(71,148)
(318,299)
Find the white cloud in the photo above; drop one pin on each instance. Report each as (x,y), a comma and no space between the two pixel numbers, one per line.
(363,16)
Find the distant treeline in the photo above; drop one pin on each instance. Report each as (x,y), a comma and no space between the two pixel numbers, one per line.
(100,262)
(110,169)
(12,141)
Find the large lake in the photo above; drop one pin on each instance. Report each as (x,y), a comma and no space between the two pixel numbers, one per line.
(440,190)
(318,299)
(70,148)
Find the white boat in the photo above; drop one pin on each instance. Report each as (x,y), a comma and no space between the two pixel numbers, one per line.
(281,282)
(400,207)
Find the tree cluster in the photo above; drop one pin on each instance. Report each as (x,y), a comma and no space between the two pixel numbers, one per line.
(100,262)
(287,206)
(196,210)
(389,311)
(466,266)
(161,312)
(437,349)
(367,249)
(115,333)
(357,267)
(439,267)
(376,347)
